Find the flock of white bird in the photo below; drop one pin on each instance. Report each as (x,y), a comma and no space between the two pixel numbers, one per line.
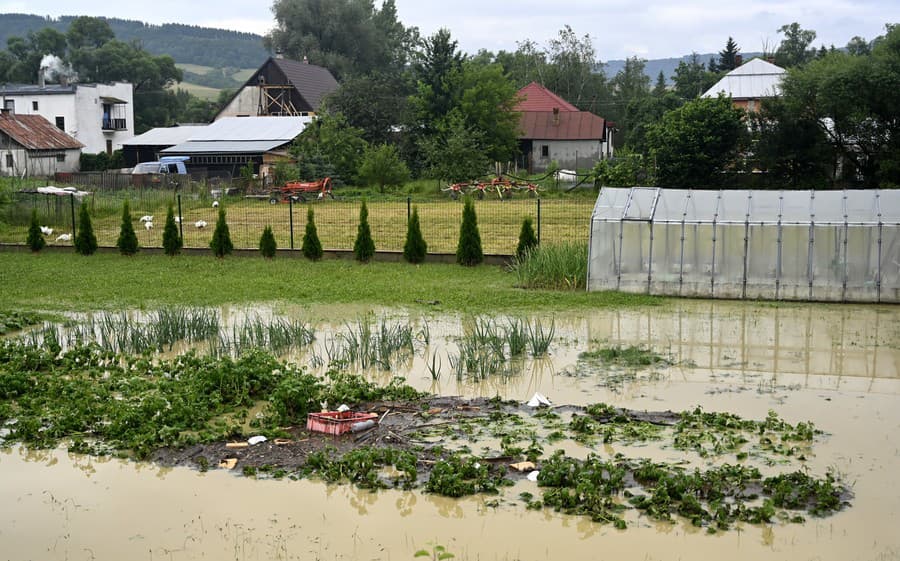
(146,220)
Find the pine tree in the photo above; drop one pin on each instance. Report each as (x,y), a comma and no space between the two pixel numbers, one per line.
(363,247)
(85,241)
(35,238)
(312,247)
(415,248)
(728,56)
(172,242)
(127,242)
(221,240)
(267,245)
(468,250)
(527,239)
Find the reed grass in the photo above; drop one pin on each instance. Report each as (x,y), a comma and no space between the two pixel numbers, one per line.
(558,266)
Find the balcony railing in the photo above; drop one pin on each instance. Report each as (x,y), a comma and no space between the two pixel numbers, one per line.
(114,124)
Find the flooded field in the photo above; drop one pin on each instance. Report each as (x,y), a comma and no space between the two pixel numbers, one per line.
(837,366)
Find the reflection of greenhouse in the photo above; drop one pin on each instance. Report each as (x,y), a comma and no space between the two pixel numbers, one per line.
(782,245)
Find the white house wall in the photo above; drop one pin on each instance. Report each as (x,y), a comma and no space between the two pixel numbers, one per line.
(569,154)
(244,104)
(25,164)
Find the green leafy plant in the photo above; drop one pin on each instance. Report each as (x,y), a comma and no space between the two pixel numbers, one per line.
(363,247)
(127,242)
(527,239)
(312,247)
(267,245)
(436,553)
(555,266)
(381,165)
(221,240)
(35,238)
(85,241)
(415,248)
(468,250)
(172,242)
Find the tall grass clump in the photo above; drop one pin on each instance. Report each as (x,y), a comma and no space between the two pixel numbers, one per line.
(561,266)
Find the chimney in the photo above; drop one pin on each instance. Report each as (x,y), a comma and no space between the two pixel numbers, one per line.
(556,116)
(279,54)
(41,82)
(305,60)
(738,60)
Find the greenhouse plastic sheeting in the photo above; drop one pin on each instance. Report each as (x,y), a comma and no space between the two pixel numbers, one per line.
(777,245)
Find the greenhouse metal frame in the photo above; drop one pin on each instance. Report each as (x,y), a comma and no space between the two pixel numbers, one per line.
(841,246)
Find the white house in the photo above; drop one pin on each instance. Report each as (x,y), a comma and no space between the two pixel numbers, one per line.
(100,116)
(31,146)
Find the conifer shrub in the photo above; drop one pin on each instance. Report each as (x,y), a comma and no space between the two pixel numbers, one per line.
(267,245)
(312,247)
(127,241)
(35,238)
(468,250)
(415,248)
(221,240)
(363,247)
(527,239)
(172,241)
(85,241)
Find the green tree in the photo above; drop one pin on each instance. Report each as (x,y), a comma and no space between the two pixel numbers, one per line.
(527,239)
(172,241)
(692,78)
(90,32)
(381,165)
(127,241)
(363,247)
(374,104)
(85,240)
(630,86)
(312,247)
(694,144)
(415,248)
(727,57)
(221,240)
(455,152)
(468,249)
(267,245)
(486,99)
(794,49)
(660,88)
(35,238)
(329,143)
(437,71)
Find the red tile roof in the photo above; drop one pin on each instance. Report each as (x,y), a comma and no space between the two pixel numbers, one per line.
(538,98)
(567,125)
(36,133)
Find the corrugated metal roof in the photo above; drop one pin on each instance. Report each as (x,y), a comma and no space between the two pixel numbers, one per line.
(567,125)
(754,80)
(165,136)
(36,133)
(225,147)
(253,128)
(539,98)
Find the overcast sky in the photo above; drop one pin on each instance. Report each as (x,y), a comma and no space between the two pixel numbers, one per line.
(618,28)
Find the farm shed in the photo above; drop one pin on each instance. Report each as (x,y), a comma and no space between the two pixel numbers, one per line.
(778,245)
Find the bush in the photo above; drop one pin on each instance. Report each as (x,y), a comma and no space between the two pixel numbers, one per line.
(172,242)
(221,240)
(559,266)
(415,248)
(468,250)
(312,247)
(35,238)
(85,241)
(127,242)
(527,239)
(267,245)
(382,166)
(363,247)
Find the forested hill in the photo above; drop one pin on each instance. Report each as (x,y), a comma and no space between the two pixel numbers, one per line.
(185,43)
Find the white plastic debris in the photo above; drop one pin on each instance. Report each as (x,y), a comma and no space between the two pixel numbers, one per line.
(533,475)
(254,440)
(343,407)
(537,400)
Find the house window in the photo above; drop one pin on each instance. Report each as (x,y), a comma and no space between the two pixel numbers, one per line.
(545,151)
(10,163)
(109,147)
(60,157)
(61,123)
(34,105)
(10,105)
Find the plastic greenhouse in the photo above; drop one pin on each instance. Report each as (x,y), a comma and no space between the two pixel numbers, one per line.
(778,245)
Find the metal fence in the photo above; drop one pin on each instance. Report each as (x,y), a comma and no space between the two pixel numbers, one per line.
(499,221)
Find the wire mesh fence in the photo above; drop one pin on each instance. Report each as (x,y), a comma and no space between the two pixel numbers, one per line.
(197,206)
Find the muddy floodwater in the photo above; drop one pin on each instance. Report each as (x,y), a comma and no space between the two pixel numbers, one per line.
(837,366)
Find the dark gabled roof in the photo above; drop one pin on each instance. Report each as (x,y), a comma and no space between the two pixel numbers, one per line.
(36,133)
(536,97)
(311,81)
(566,125)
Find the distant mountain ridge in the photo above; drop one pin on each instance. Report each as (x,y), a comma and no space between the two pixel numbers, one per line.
(666,65)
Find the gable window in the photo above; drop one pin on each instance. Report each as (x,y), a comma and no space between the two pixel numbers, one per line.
(10,105)
(34,105)
(61,123)
(545,151)
(10,163)
(60,157)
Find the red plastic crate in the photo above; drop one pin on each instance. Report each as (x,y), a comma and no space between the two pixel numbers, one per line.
(336,422)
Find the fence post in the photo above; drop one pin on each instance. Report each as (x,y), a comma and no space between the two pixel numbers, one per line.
(72,201)
(408,205)
(539,220)
(180,219)
(291,218)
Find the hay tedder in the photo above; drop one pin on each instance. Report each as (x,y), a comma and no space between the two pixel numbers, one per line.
(301,191)
(501,187)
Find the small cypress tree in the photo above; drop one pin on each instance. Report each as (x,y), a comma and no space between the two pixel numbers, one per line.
(221,240)
(312,247)
(363,247)
(85,241)
(415,248)
(172,242)
(127,242)
(267,245)
(527,239)
(35,238)
(468,250)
